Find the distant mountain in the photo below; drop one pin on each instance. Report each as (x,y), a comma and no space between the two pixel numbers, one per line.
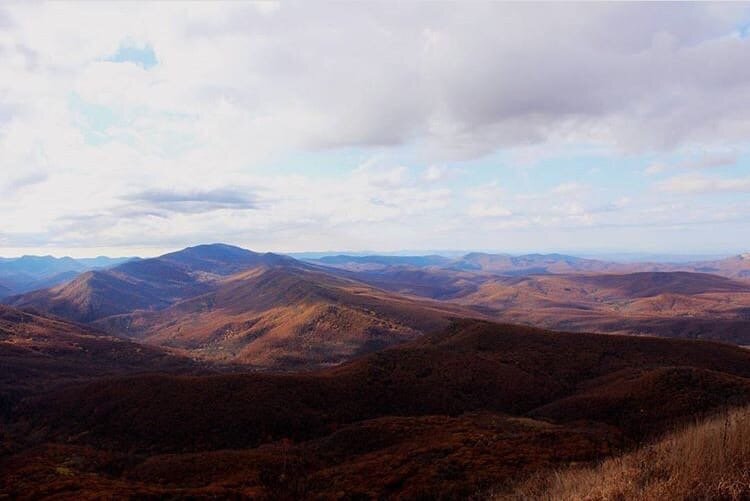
(362,263)
(39,265)
(145,284)
(735,267)
(475,261)
(26,273)
(532,264)
(433,283)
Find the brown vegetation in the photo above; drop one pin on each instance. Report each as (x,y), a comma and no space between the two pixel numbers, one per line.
(449,414)
(40,353)
(708,460)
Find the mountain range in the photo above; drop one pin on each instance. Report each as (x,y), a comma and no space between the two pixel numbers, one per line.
(737,266)
(223,303)
(216,371)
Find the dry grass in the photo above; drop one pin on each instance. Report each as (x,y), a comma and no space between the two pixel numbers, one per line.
(708,460)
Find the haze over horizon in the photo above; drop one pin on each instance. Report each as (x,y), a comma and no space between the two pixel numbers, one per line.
(580,129)
(622,256)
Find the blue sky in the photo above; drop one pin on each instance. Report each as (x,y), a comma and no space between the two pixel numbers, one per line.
(374,126)
(142,56)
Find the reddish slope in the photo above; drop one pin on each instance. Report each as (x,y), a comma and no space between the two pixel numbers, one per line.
(287,317)
(99,294)
(647,284)
(734,267)
(675,304)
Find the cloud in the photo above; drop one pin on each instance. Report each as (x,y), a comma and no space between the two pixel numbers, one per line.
(20,182)
(491,211)
(704,160)
(488,201)
(192,201)
(692,184)
(462,82)
(434,173)
(655,168)
(712,159)
(194,103)
(570,188)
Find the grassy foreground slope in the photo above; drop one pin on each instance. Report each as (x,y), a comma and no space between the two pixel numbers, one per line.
(707,460)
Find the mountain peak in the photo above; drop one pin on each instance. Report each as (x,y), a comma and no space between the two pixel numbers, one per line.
(208,249)
(222,259)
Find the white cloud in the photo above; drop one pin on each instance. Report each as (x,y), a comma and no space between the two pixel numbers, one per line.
(480,210)
(691,184)
(435,173)
(696,161)
(570,188)
(655,168)
(712,159)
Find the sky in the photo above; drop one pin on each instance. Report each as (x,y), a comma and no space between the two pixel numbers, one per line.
(134,129)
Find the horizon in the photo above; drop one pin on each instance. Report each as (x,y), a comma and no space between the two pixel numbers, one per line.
(614,256)
(575,129)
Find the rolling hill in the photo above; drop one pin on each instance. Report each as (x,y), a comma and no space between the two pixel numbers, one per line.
(286,317)
(673,304)
(455,413)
